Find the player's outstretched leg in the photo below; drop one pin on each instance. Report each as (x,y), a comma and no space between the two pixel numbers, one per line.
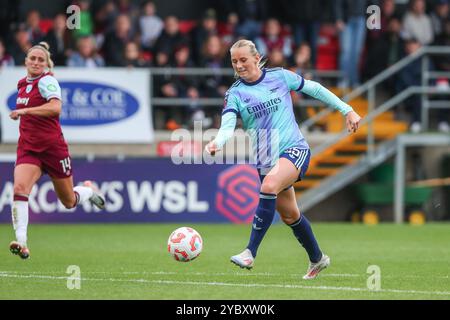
(97,198)
(20,224)
(315,268)
(19,249)
(89,192)
(304,234)
(72,196)
(261,223)
(244,259)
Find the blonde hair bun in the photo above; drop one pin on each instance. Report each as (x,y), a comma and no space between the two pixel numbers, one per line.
(45,45)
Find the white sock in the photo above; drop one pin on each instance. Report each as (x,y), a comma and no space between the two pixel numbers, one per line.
(20,220)
(84,193)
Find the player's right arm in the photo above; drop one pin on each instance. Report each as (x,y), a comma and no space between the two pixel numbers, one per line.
(50,109)
(51,91)
(227,126)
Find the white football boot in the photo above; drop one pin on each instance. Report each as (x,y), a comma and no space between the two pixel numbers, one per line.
(244,259)
(315,268)
(97,199)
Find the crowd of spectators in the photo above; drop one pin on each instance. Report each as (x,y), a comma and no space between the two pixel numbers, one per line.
(301,35)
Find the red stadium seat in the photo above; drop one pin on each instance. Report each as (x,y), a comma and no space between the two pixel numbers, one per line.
(187,25)
(327,48)
(45,25)
(147,56)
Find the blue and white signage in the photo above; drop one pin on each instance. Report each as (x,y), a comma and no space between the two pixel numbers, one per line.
(99,106)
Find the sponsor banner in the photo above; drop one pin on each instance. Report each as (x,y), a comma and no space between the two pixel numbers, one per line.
(99,106)
(145,190)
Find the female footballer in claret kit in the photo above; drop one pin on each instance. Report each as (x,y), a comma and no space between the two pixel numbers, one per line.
(261,97)
(41,147)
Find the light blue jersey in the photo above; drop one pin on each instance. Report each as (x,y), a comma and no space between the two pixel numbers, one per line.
(265,107)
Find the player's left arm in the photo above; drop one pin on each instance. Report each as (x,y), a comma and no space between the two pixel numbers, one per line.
(316,90)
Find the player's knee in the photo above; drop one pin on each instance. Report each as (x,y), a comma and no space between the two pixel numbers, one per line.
(290,217)
(269,186)
(20,188)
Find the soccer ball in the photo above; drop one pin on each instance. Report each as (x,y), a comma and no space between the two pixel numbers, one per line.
(185,244)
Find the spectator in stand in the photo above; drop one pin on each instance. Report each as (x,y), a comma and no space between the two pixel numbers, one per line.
(186,86)
(86,21)
(387,12)
(227,31)
(442,63)
(213,58)
(5,59)
(131,10)
(21,45)
(302,59)
(171,37)
(417,24)
(272,38)
(440,16)
(35,34)
(9,16)
(411,75)
(201,32)
(60,41)
(86,56)
(304,18)
(350,17)
(114,46)
(163,86)
(160,80)
(276,59)
(385,51)
(251,13)
(105,18)
(133,56)
(150,25)
(302,63)
(215,85)
(185,83)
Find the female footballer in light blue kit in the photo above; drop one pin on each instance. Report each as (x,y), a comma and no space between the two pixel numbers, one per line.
(261,97)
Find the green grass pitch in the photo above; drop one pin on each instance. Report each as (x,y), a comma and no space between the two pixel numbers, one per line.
(131,262)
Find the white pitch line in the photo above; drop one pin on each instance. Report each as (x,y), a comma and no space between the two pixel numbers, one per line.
(225,284)
(245,274)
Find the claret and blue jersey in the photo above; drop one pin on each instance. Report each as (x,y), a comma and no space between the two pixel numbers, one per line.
(266,109)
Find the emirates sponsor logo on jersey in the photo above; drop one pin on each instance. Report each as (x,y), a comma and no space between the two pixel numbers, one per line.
(23,101)
(264,108)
